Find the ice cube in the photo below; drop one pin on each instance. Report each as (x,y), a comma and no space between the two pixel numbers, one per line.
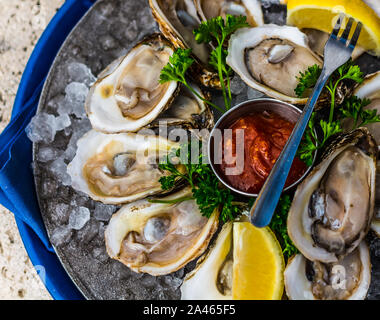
(61,235)
(59,168)
(79,72)
(79,216)
(237,85)
(76,94)
(254,94)
(88,232)
(62,122)
(41,128)
(108,42)
(49,188)
(46,154)
(103,212)
(61,213)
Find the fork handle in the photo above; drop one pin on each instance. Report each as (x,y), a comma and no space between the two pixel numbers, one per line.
(263,209)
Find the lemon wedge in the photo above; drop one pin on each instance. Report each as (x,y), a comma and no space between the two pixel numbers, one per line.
(323,14)
(244,263)
(258,264)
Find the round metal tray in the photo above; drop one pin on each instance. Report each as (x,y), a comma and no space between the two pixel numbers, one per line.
(106,32)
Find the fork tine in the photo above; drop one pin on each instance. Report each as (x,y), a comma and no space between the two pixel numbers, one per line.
(356,35)
(337,26)
(347,31)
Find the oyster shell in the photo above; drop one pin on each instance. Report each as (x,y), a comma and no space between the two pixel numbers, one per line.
(269,59)
(333,207)
(212,277)
(187,110)
(118,168)
(318,39)
(346,279)
(159,238)
(177,19)
(370,89)
(208,9)
(127,95)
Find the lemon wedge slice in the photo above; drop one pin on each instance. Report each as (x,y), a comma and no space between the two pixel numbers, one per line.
(244,263)
(258,264)
(322,15)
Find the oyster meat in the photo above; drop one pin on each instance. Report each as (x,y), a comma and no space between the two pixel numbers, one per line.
(212,277)
(159,238)
(127,95)
(270,58)
(209,9)
(333,207)
(118,168)
(346,279)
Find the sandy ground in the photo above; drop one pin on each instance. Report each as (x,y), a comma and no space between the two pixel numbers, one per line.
(21,24)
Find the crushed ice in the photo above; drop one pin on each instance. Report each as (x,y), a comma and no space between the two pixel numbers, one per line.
(79,216)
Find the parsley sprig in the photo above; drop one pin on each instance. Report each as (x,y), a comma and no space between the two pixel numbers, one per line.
(205,186)
(279,226)
(353,108)
(218,30)
(330,127)
(176,69)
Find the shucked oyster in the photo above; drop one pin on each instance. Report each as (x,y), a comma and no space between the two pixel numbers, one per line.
(128,95)
(333,207)
(370,89)
(208,9)
(118,168)
(159,238)
(270,58)
(347,279)
(212,277)
(177,20)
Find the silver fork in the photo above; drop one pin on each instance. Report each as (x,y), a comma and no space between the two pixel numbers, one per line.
(338,51)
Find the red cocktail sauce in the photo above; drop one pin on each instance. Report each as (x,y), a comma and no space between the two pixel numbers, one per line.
(265,135)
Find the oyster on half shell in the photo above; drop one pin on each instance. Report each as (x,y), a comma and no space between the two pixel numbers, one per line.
(370,89)
(208,9)
(127,95)
(346,279)
(270,58)
(159,238)
(333,207)
(212,277)
(119,168)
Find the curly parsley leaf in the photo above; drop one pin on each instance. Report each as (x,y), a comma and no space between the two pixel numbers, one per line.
(329,129)
(279,226)
(307,80)
(177,66)
(218,30)
(206,189)
(353,108)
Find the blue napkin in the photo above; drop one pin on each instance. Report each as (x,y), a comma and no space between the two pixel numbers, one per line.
(17,189)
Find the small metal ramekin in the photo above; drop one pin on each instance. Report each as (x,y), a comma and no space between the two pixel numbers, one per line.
(283,109)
